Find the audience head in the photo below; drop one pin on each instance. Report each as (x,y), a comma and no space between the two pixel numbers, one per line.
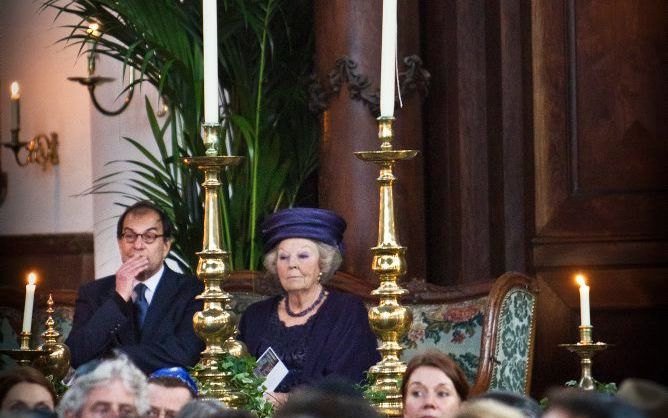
(144,230)
(574,403)
(315,403)
(113,387)
(323,229)
(649,397)
(169,390)
(487,408)
(202,408)
(25,388)
(528,407)
(433,384)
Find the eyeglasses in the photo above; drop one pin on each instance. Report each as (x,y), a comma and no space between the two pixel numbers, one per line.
(147,237)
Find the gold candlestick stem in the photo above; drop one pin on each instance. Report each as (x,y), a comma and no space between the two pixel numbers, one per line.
(585,349)
(216,322)
(389,320)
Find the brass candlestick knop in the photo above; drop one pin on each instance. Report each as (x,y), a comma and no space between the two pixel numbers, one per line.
(389,320)
(56,358)
(216,322)
(585,349)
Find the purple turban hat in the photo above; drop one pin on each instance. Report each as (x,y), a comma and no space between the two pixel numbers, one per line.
(311,223)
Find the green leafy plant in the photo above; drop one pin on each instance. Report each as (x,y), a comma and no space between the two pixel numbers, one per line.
(244,381)
(264,61)
(369,392)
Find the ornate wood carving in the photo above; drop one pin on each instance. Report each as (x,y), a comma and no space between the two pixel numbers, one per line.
(414,79)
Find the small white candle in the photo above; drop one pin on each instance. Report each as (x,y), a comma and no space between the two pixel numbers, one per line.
(585,320)
(388,58)
(14,99)
(210,33)
(30,300)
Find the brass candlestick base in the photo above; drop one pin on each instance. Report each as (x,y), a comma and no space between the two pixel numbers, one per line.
(23,355)
(51,358)
(216,323)
(585,350)
(389,320)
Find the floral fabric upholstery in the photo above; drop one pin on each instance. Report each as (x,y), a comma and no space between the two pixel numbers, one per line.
(455,329)
(512,351)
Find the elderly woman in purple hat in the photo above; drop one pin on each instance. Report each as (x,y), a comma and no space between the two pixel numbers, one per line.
(318,333)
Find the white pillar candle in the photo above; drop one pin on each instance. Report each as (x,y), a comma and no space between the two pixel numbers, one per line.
(30,300)
(585,320)
(388,58)
(15,120)
(210,33)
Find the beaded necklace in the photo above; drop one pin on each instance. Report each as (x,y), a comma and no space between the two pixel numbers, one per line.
(321,296)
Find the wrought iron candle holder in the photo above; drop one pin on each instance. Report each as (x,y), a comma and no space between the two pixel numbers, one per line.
(216,322)
(52,358)
(585,349)
(389,320)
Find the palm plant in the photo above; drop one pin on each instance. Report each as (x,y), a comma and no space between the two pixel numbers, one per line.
(265,52)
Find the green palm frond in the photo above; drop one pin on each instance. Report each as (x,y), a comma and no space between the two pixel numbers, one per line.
(265,52)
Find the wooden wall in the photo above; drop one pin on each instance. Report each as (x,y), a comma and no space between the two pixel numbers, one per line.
(544,150)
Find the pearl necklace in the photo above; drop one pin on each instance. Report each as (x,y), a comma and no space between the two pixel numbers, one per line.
(321,296)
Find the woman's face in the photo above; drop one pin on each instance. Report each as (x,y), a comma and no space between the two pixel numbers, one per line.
(27,396)
(297,264)
(430,393)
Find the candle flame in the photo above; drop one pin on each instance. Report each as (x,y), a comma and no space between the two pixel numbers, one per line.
(581,280)
(94,30)
(14,89)
(32,278)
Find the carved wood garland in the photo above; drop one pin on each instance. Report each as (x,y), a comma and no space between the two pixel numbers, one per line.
(414,78)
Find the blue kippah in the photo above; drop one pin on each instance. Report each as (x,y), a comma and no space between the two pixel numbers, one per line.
(177,373)
(312,223)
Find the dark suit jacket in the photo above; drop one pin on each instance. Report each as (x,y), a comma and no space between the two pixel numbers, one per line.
(103,321)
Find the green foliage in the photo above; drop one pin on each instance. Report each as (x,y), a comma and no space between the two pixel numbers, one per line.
(370,393)
(58,386)
(244,381)
(265,51)
(608,388)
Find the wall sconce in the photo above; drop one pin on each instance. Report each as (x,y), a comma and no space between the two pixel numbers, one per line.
(92,80)
(42,149)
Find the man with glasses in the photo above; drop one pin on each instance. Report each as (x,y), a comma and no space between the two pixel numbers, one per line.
(145,310)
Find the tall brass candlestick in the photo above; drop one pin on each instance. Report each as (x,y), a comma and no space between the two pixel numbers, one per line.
(389,320)
(216,323)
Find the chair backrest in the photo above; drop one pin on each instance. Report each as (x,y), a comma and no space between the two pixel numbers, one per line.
(508,336)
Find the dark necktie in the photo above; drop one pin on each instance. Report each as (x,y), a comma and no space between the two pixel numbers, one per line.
(141,303)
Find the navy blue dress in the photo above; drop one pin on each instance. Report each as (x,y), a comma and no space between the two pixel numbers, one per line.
(335,342)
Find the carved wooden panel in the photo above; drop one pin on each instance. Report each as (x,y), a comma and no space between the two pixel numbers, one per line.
(600,128)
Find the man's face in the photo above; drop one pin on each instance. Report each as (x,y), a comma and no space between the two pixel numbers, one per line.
(109,401)
(155,252)
(166,402)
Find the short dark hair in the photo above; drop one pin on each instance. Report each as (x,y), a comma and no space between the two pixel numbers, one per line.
(521,402)
(143,207)
(11,378)
(590,404)
(443,362)
(314,403)
(171,382)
